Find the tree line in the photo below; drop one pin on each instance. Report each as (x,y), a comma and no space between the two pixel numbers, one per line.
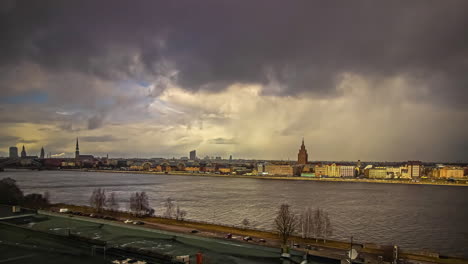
(310,223)
(138,204)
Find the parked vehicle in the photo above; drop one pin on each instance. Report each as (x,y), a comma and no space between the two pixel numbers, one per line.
(247,238)
(261,240)
(138,223)
(128,221)
(63,210)
(194,231)
(228,236)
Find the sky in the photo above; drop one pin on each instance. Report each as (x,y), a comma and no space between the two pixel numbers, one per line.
(368,80)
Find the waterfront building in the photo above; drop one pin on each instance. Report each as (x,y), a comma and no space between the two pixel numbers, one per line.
(377,173)
(414,169)
(302,156)
(260,168)
(192,169)
(23,153)
(284,170)
(13,152)
(193,155)
(224,170)
(449,172)
(394,172)
(320,170)
(333,170)
(346,170)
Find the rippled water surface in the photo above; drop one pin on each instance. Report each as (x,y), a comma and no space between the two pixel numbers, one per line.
(412,216)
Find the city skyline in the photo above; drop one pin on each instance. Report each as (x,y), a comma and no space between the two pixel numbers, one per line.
(379,81)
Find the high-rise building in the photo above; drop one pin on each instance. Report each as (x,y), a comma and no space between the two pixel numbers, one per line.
(193,155)
(13,152)
(77,150)
(42,153)
(414,169)
(23,153)
(302,155)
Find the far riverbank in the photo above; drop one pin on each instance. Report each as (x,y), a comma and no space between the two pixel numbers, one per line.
(422,182)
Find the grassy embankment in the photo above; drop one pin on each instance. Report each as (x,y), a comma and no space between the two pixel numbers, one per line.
(269,236)
(180,173)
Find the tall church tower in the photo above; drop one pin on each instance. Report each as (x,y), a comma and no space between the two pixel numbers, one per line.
(42,153)
(77,151)
(23,153)
(302,156)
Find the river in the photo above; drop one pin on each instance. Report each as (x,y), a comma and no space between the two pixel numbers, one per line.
(411,216)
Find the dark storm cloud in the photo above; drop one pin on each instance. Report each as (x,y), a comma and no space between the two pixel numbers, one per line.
(294,47)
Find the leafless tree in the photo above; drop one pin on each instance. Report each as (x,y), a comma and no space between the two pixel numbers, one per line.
(180,214)
(318,224)
(285,223)
(306,222)
(245,223)
(139,204)
(169,205)
(98,199)
(327,227)
(47,196)
(112,202)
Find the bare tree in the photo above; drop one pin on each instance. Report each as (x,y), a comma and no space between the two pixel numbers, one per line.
(285,222)
(169,205)
(318,224)
(98,199)
(327,227)
(180,214)
(245,223)
(47,196)
(112,202)
(139,204)
(306,222)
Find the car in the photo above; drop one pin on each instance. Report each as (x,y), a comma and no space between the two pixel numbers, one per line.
(228,236)
(63,210)
(194,231)
(262,240)
(128,221)
(138,223)
(296,245)
(247,238)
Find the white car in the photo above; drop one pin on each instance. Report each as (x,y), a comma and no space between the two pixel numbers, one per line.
(63,210)
(128,221)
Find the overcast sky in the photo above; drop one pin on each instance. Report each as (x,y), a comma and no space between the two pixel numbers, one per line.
(369,80)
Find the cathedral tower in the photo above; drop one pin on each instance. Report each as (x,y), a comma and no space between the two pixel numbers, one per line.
(302,155)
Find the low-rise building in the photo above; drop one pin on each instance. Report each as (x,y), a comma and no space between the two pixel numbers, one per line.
(320,170)
(377,173)
(285,170)
(333,170)
(448,172)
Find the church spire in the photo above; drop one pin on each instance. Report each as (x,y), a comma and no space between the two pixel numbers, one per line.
(23,153)
(77,151)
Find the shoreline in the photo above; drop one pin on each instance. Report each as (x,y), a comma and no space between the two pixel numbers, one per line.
(347,180)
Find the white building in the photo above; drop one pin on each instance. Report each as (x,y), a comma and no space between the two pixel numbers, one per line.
(347,171)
